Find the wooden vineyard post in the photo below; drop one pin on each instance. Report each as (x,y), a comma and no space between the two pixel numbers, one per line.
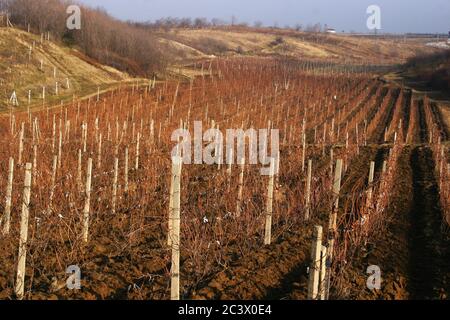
(170,222)
(126,170)
(7,214)
(79,175)
(20,281)
(52,187)
(116,176)
(175,232)
(371,177)
(85,137)
(34,164)
(333,218)
(59,149)
(171,198)
(230,166)
(53,134)
(331,163)
(269,205)
(304,145)
(308,191)
(137,151)
(241,188)
(346,141)
(22,135)
(314,270)
(87,202)
(99,160)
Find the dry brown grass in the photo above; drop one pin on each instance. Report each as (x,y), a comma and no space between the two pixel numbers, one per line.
(21,74)
(296,44)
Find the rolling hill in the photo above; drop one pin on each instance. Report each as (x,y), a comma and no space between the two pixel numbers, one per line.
(27,65)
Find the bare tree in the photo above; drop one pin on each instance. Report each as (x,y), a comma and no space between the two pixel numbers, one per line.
(119,44)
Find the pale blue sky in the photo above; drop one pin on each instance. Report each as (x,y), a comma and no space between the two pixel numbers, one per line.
(398,16)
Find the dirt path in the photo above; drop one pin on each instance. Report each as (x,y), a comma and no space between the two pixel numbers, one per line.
(414,251)
(423,128)
(428,246)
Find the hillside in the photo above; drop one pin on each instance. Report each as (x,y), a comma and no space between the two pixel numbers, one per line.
(182,44)
(21,71)
(80,75)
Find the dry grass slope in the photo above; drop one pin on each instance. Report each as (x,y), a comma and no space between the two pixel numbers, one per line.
(263,42)
(21,72)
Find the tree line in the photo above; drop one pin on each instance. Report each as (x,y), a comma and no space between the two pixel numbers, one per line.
(169,23)
(112,42)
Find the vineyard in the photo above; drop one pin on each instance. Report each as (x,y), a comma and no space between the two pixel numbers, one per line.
(363,180)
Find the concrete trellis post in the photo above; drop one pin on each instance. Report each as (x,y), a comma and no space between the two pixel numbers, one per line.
(314,269)
(20,281)
(336,191)
(87,203)
(323,274)
(333,218)
(7,214)
(175,232)
(308,191)
(269,205)
(384,167)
